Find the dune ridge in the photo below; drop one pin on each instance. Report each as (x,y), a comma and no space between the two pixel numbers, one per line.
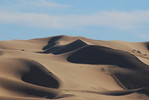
(66,48)
(73,68)
(31,79)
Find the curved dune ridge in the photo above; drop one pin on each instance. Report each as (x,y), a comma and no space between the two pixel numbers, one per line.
(39,75)
(66,48)
(107,56)
(73,68)
(28,78)
(52,42)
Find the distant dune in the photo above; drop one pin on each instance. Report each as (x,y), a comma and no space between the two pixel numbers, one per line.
(73,68)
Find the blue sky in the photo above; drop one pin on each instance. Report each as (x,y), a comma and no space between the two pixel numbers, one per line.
(126,20)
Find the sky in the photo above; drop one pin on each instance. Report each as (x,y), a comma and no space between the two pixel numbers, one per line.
(125,20)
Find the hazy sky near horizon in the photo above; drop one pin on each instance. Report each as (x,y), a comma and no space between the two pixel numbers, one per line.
(126,20)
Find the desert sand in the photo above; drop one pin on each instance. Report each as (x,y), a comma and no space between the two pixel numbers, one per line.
(73,68)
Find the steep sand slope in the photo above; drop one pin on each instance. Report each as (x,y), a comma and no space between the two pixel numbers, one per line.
(73,68)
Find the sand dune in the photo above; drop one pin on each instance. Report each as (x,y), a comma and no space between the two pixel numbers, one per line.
(66,48)
(146,45)
(106,56)
(27,78)
(73,68)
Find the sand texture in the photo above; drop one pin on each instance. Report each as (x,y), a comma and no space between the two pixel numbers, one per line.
(73,68)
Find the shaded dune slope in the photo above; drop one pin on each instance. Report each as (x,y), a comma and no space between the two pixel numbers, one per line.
(103,55)
(66,48)
(114,92)
(15,88)
(146,45)
(52,42)
(39,75)
(29,78)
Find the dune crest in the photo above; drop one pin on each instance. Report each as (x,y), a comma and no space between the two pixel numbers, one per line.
(73,68)
(66,48)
